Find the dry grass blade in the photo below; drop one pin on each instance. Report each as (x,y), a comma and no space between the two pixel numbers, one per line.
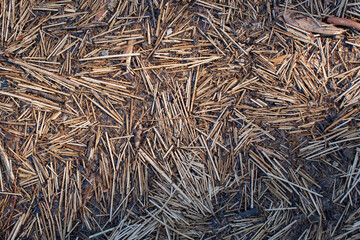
(7,163)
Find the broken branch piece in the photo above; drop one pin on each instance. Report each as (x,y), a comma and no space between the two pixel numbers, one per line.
(344,22)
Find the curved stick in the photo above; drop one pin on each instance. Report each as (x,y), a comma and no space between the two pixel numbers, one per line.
(344,22)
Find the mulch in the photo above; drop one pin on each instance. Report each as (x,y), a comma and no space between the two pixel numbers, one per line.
(155,119)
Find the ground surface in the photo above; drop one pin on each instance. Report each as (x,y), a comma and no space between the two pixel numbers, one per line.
(177,120)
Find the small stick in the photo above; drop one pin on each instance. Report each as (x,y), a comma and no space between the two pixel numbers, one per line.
(344,22)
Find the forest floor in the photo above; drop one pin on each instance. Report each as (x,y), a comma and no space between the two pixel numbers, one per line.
(154,119)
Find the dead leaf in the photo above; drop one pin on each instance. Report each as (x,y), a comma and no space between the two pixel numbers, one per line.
(309,24)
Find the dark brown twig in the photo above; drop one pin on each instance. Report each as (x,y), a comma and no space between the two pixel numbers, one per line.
(344,22)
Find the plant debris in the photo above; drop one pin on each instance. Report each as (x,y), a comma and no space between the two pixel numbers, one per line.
(310,24)
(203,119)
(344,22)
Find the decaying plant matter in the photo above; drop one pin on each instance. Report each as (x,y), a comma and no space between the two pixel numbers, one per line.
(156,119)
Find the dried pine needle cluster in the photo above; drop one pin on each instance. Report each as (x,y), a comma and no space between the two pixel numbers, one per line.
(154,119)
